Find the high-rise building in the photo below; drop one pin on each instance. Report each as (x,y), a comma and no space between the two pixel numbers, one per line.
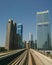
(35,44)
(31,40)
(20,33)
(30,37)
(11,35)
(14,36)
(26,45)
(43,30)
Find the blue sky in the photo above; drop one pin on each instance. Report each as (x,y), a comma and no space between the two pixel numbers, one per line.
(22,11)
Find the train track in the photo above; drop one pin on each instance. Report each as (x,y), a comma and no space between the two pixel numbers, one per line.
(20,60)
(5,59)
(24,59)
(29,57)
(40,59)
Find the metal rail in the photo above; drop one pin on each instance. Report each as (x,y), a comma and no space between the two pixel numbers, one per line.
(40,59)
(27,57)
(19,60)
(10,53)
(7,58)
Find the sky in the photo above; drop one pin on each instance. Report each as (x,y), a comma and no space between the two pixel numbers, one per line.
(22,11)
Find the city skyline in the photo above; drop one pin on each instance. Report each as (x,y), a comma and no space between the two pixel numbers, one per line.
(22,12)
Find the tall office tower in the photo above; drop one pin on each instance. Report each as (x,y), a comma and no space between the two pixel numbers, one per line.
(43,30)
(30,37)
(31,40)
(9,35)
(14,36)
(20,32)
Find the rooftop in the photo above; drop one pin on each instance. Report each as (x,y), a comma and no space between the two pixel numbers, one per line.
(47,11)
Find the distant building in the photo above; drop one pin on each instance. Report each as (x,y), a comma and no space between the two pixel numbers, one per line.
(20,32)
(2,49)
(31,40)
(35,44)
(26,45)
(30,37)
(43,30)
(11,35)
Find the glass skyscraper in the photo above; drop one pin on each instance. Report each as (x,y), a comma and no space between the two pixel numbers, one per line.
(20,32)
(43,30)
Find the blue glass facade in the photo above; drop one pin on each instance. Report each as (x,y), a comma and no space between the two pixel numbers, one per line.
(20,32)
(43,30)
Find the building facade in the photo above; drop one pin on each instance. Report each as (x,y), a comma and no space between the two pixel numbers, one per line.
(20,33)
(15,36)
(30,37)
(31,42)
(43,30)
(11,35)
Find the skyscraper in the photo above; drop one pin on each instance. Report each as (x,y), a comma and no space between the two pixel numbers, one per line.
(20,33)
(30,37)
(14,36)
(31,42)
(11,35)
(43,30)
